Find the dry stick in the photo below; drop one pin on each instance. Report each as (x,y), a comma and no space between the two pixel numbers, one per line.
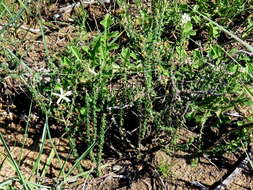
(84,3)
(32,30)
(238,169)
(247,45)
(242,165)
(199,185)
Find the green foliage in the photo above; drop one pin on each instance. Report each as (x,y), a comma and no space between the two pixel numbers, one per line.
(170,84)
(164,169)
(166,75)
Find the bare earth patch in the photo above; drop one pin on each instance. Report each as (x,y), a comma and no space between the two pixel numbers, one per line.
(181,174)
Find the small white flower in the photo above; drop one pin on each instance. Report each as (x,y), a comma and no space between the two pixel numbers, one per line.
(63,96)
(185,18)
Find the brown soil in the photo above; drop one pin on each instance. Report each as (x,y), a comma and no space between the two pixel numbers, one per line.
(179,175)
(180,172)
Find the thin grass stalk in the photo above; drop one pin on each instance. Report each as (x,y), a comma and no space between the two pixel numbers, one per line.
(36,167)
(77,162)
(48,163)
(148,66)
(87,118)
(6,8)
(24,6)
(44,41)
(121,122)
(81,158)
(8,181)
(54,150)
(94,120)
(20,175)
(121,110)
(248,46)
(12,20)
(26,133)
(101,142)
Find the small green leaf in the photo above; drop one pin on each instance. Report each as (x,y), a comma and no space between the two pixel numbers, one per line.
(125,53)
(215,52)
(106,23)
(213,30)
(97,43)
(83,111)
(188,30)
(75,52)
(113,47)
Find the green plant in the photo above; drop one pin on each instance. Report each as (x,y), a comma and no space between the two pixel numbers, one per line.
(148,72)
(164,169)
(21,178)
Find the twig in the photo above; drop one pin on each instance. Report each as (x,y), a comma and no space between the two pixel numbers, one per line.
(242,165)
(199,185)
(32,30)
(147,184)
(245,52)
(210,161)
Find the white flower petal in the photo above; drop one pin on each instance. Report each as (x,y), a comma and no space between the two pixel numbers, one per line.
(62,96)
(185,18)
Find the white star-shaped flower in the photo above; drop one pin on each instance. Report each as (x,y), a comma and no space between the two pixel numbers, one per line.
(185,18)
(63,96)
